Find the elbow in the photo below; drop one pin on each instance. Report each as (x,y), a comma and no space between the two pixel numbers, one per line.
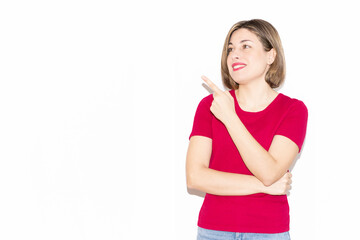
(189,185)
(268,180)
(193,179)
(267,183)
(190,181)
(268,177)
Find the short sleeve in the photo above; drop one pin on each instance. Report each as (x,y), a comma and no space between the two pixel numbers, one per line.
(202,125)
(293,125)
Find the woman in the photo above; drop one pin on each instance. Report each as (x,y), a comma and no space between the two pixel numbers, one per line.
(244,140)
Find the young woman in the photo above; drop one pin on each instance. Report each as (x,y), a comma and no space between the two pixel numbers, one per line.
(244,140)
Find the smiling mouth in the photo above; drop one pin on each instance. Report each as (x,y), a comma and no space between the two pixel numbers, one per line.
(238,67)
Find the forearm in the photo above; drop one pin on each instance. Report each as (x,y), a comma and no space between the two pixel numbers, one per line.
(268,165)
(223,183)
(256,158)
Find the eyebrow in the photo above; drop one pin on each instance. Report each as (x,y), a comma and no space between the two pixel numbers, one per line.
(241,41)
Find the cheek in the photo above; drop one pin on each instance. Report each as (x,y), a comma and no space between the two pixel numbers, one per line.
(228,63)
(262,58)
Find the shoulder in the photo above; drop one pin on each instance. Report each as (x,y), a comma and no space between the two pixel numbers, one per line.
(207,101)
(293,105)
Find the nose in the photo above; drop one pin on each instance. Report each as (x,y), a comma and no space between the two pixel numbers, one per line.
(235,55)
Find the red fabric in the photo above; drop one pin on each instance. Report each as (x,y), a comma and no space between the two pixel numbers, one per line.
(257,213)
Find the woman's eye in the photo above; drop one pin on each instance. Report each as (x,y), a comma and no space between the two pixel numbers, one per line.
(229,50)
(246,46)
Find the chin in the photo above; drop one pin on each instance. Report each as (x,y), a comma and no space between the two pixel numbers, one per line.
(240,81)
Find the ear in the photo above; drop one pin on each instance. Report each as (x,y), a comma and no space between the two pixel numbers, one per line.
(271,56)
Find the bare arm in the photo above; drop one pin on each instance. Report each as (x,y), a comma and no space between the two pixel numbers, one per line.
(267,166)
(199,176)
(270,165)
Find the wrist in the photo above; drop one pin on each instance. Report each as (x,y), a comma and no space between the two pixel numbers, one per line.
(262,188)
(232,120)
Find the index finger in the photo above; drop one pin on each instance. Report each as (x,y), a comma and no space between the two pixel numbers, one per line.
(211,85)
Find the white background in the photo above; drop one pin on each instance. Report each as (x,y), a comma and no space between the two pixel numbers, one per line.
(97,100)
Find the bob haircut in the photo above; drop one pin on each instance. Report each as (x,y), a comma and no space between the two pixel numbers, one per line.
(269,38)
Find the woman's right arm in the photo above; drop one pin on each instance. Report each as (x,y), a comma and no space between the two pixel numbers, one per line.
(200,177)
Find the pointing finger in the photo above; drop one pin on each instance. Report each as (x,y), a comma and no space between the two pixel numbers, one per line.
(211,85)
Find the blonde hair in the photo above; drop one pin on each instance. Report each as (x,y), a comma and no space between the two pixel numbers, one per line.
(269,38)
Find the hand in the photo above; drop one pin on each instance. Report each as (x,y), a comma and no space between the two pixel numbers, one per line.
(223,106)
(281,187)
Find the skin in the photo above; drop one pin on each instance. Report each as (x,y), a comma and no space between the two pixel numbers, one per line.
(254,94)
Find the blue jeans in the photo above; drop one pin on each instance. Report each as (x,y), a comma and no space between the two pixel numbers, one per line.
(205,234)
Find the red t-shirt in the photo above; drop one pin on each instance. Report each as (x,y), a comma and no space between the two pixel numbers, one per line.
(257,213)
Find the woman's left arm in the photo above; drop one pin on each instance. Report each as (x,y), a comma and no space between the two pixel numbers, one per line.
(267,166)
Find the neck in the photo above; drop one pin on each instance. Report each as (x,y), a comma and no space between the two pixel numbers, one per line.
(255,96)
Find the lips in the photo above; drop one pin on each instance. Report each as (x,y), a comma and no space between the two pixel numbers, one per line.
(238,66)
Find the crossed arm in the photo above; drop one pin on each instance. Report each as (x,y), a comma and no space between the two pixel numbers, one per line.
(199,176)
(269,167)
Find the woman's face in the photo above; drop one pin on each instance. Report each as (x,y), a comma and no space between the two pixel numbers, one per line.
(247,60)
